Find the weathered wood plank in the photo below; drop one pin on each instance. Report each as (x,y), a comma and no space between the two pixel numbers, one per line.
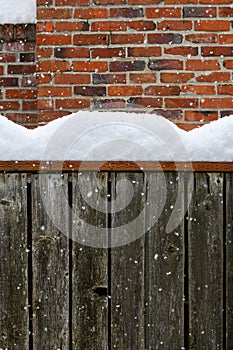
(165,264)
(127,268)
(14,316)
(206,262)
(90,261)
(229,261)
(50,262)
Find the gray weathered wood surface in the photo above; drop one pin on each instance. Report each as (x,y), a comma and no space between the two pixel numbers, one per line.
(13,262)
(157,285)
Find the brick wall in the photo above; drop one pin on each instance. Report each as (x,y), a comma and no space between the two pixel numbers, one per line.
(169,57)
(17,73)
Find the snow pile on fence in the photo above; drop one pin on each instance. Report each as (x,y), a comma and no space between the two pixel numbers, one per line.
(17,11)
(116,136)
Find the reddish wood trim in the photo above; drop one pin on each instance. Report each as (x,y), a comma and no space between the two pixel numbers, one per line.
(70,166)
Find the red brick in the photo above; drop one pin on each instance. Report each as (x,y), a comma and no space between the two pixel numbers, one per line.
(20,46)
(167,12)
(124,66)
(107,52)
(53,66)
(228,64)
(5,81)
(225,89)
(44,27)
(70,79)
(165,64)
(90,39)
(109,78)
(83,66)
(71,52)
(217,103)
(162,90)
(109,2)
(176,77)
(72,2)
(214,77)
(90,90)
(73,103)
(168,38)
(23,118)
(182,51)
(181,102)
(7,57)
(20,69)
(52,39)
(202,38)
(122,39)
(28,81)
(125,90)
(148,102)
(198,65)
(47,115)
(29,105)
(197,116)
(54,91)
(169,2)
(217,51)
(212,25)
(109,104)
(199,89)
(1,70)
(143,78)
(53,13)
(199,12)
(175,25)
(126,12)
(45,104)
(215,2)
(44,52)
(111,26)
(9,105)
(20,94)
(72,26)
(43,78)
(144,51)
(141,25)
(226,11)
(91,13)
(226,39)
(144,2)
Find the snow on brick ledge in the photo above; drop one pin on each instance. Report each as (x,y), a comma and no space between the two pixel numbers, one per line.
(116,136)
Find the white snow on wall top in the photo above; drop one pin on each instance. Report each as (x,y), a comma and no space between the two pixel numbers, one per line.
(17,11)
(116,136)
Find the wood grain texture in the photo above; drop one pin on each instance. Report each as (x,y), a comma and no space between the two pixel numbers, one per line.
(127,262)
(89,263)
(14,315)
(72,166)
(206,262)
(50,262)
(165,265)
(229,261)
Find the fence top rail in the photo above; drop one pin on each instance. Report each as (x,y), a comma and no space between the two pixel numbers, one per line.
(71,166)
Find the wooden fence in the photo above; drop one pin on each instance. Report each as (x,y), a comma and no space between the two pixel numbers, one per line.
(165,290)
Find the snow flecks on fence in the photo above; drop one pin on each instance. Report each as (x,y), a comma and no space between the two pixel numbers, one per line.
(159,290)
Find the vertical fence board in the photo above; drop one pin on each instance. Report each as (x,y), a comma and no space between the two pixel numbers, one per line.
(206,262)
(229,261)
(50,262)
(127,268)
(165,267)
(90,263)
(13,262)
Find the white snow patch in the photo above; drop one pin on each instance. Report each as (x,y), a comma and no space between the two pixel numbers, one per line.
(116,136)
(17,11)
